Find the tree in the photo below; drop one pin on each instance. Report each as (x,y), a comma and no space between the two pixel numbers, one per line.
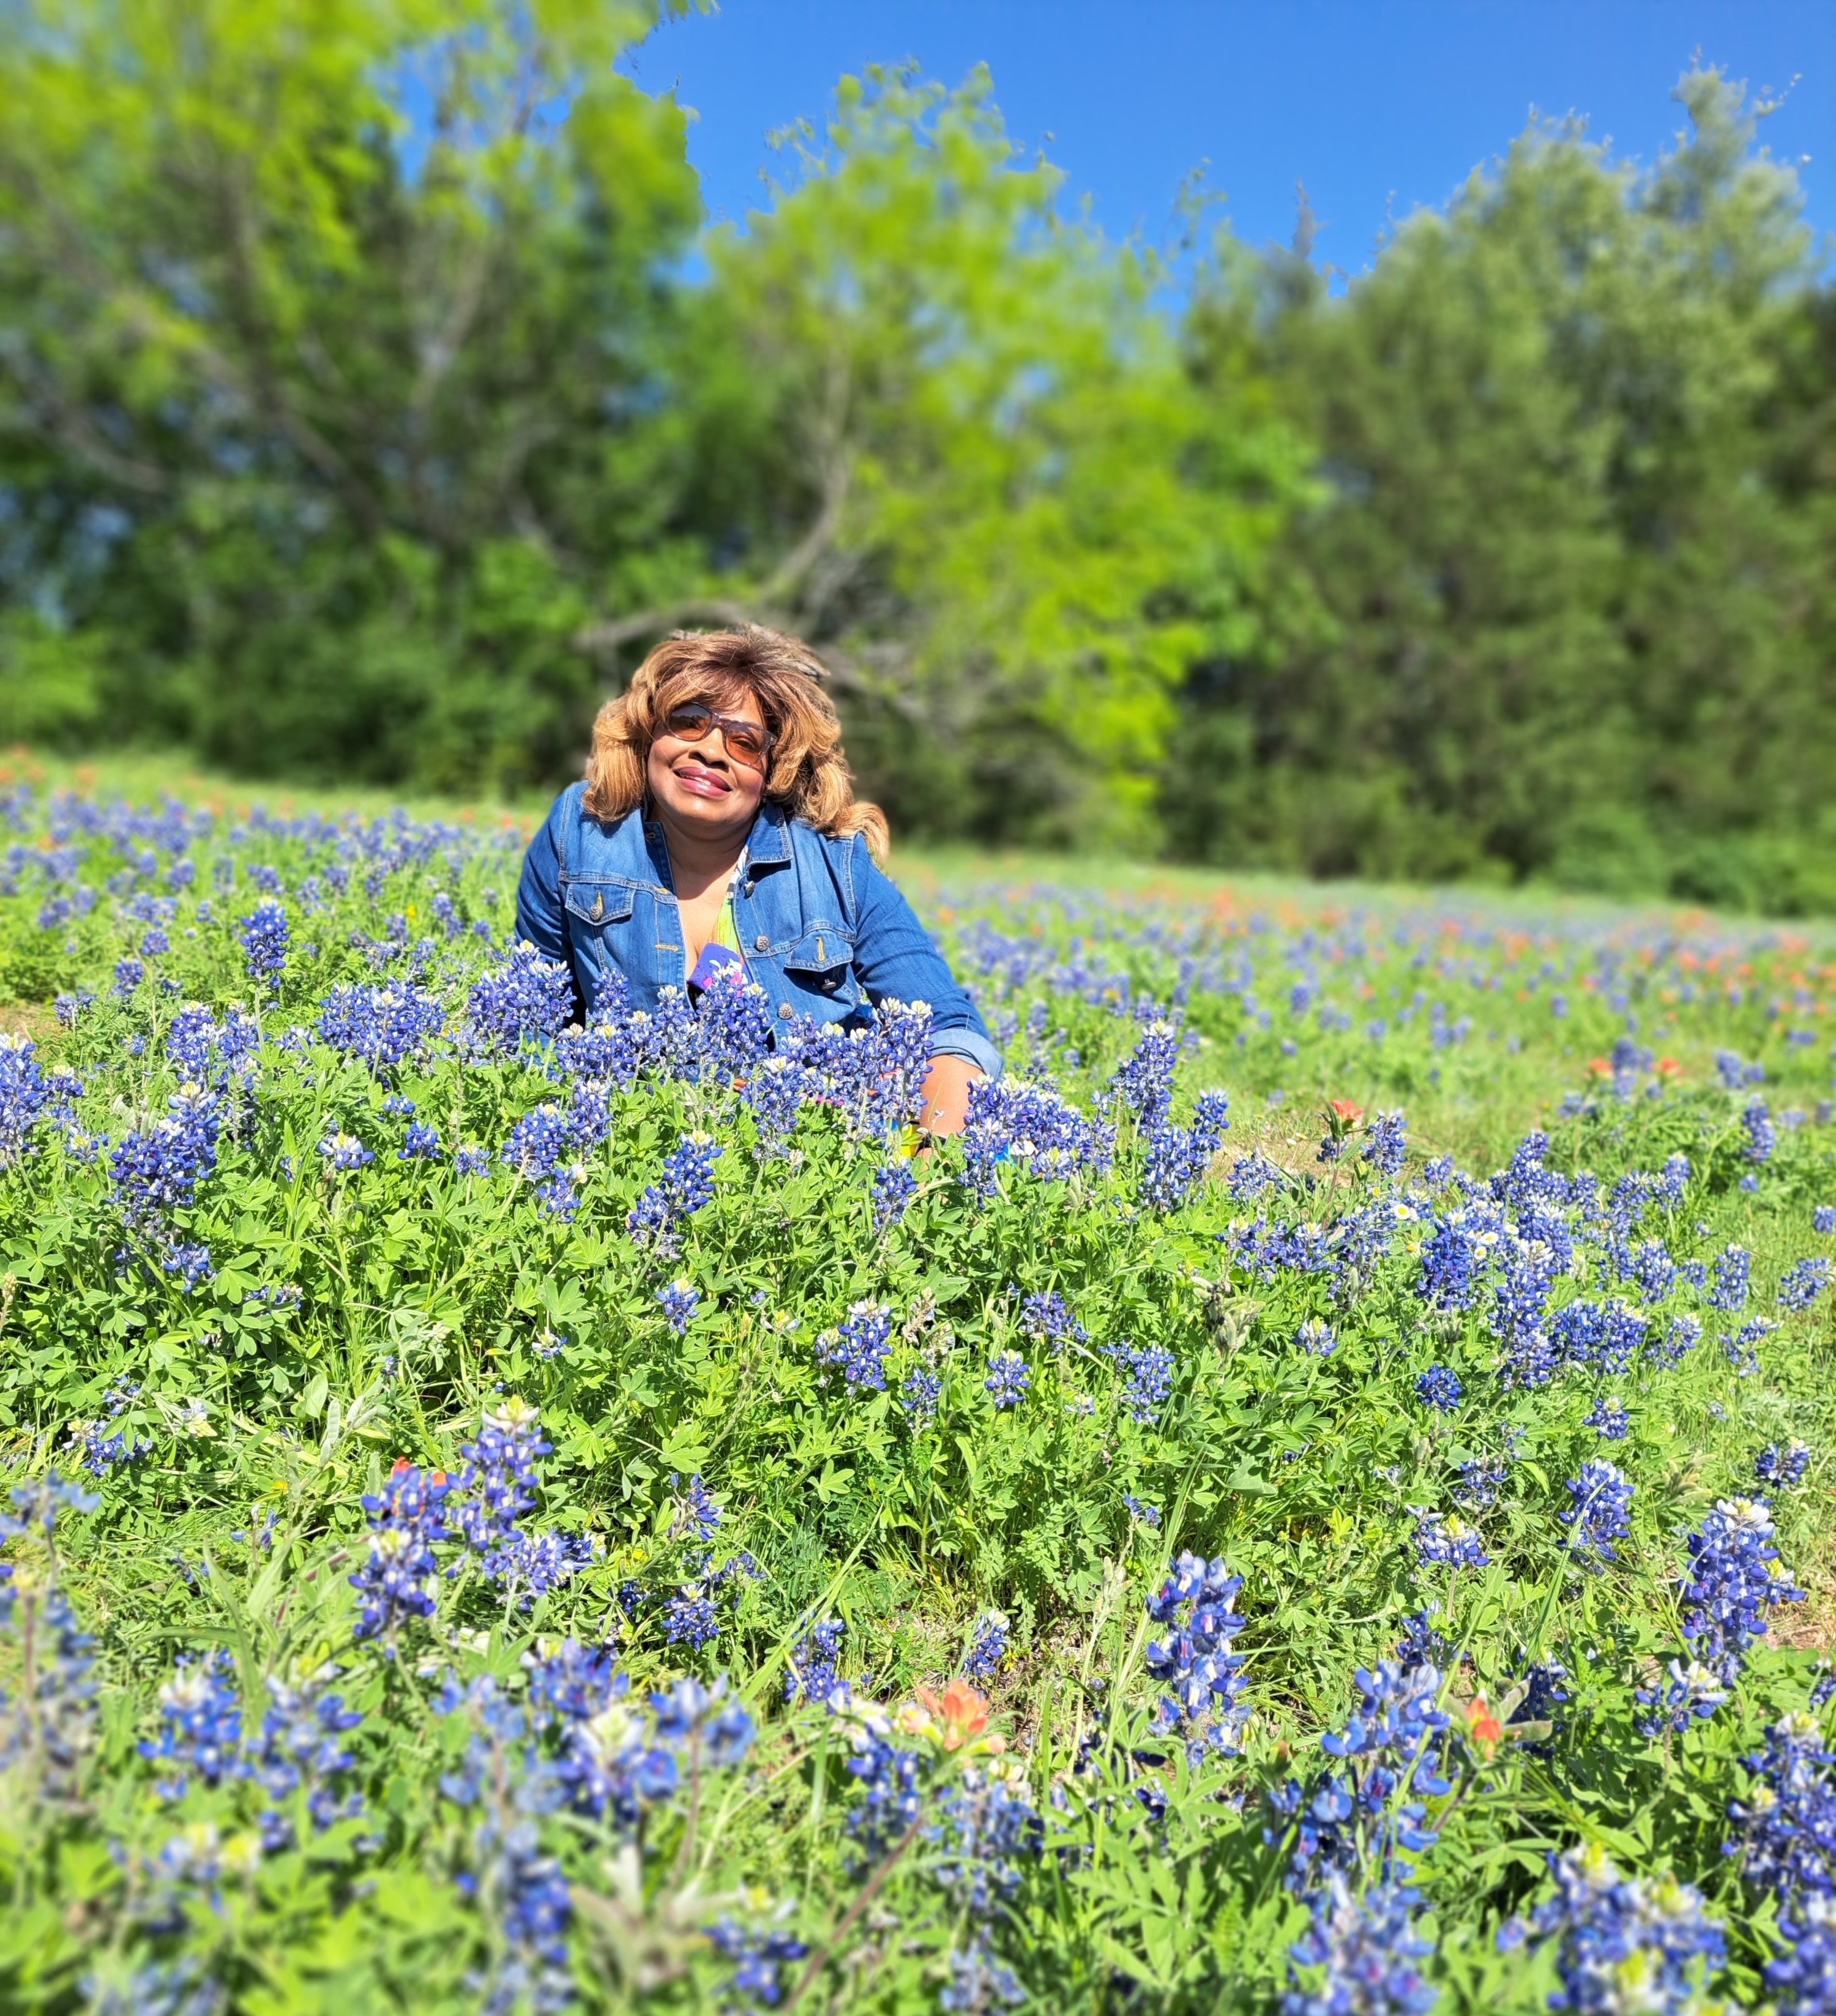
(315,411)
(1557,616)
(982,478)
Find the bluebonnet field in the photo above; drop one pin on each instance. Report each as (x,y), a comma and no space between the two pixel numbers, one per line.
(1315,1503)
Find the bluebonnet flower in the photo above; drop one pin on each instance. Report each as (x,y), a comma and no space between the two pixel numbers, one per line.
(1621,1938)
(680,1300)
(1439,1388)
(1366,1813)
(1441,1541)
(1315,1339)
(178,1987)
(1781,1468)
(1421,1644)
(1177,1157)
(859,1345)
(811,1672)
(686,1184)
(521,1891)
(756,1946)
(1478,1480)
(1787,1822)
(1030,1129)
(774,1092)
(496,1487)
(1359,1954)
(920,1396)
(736,1018)
(25,1096)
(1731,1269)
(1149,1380)
(1201,1703)
(191,1263)
(987,1647)
(1137,1508)
(1804,1283)
(1144,1084)
(1609,1419)
(689,1618)
(156,1173)
(345,1152)
(1651,1269)
(1739,1348)
(978,1981)
(100,1449)
(1756,1123)
(471,1161)
(1600,1512)
(48,1726)
(302,1756)
(1731,1070)
(1731,1584)
(1823,1217)
(1046,1319)
(1250,1175)
(70,1006)
(200,1726)
(1684,1334)
(264,943)
(1384,1148)
(406,1518)
(1606,1337)
(153,943)
(420,1143)
(531,998)
(381,1026)
(697,1511)
(1803,1977)
(1008,1378)
(129,973)
(894,1187)
(1457,1251)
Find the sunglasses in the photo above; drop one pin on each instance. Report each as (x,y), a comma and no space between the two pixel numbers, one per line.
(746,742)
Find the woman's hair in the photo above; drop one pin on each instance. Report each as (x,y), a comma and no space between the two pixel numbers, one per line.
(806,773)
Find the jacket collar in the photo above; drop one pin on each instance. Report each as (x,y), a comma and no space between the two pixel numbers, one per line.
(769,841)
(767,846)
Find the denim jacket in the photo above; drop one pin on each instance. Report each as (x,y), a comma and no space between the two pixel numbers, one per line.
(825,932)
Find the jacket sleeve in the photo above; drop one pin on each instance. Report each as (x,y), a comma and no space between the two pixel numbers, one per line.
(541,919)
(895,955)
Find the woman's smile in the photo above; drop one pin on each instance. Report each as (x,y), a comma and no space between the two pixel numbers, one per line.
(704,782)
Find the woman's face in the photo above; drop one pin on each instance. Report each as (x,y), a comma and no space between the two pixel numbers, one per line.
(700,788)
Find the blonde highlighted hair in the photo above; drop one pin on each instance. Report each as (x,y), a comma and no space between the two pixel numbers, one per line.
(806,773)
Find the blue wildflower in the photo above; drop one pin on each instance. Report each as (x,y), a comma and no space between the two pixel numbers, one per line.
(1439,1388)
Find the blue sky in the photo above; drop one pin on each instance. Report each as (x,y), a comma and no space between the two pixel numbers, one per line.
(1377,105)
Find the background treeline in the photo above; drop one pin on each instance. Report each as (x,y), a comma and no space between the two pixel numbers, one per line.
(371,395)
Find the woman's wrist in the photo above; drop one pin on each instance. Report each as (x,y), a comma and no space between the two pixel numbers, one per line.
(944,1106)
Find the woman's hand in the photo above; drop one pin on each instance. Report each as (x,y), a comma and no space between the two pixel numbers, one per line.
(946,1094)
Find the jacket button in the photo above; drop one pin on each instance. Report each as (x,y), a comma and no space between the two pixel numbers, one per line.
(746,887)
(784,1011)
(762,943)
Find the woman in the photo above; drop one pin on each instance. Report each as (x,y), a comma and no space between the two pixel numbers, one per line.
(717,822)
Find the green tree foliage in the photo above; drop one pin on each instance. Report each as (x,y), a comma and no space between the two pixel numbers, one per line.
(361,414)
(991,489)
(312,411)
(1567,610)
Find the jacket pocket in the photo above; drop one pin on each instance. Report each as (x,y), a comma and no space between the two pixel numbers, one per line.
(821,964)
(595,904)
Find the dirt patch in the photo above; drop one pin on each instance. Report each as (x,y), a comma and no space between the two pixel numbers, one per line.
(36,1019)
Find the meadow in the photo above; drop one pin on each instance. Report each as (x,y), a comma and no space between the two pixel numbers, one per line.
(1315,1502)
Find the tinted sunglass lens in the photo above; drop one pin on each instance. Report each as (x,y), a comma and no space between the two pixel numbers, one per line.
(690,722)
